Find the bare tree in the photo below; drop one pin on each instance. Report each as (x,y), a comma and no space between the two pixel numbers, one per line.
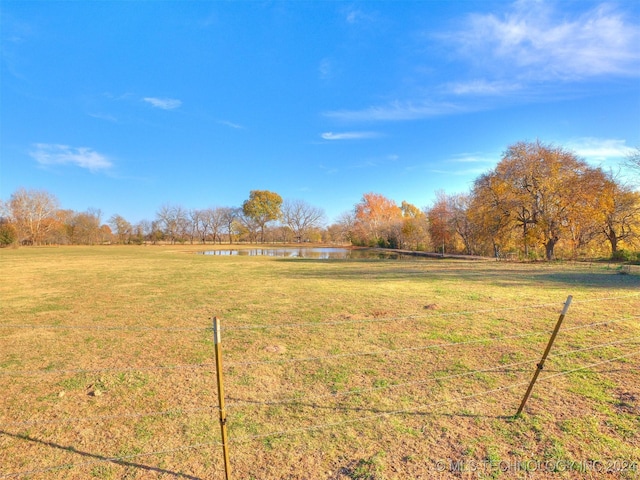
(228,217)
(121,227)
(301,218)
(214,220)
(173,222)
(633,160)
(34,214)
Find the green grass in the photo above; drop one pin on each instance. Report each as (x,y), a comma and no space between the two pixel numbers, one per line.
(381,414)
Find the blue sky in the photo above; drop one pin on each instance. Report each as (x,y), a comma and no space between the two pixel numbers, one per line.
(128,106)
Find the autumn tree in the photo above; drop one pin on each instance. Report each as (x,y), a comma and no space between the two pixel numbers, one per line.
(620,214)
(462,221)
(493,220)
(374,215)
(414,228)
(537,187)
(121,228)
(33,213)
(440,223)
(262,207)
(301,218)
(83,228)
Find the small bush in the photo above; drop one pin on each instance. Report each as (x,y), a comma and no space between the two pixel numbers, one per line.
(8,234)
(623,255)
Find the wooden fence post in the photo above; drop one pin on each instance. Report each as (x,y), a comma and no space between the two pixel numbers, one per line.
(217,343)
(540,364)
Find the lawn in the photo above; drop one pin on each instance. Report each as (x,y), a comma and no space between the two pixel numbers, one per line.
(333,369)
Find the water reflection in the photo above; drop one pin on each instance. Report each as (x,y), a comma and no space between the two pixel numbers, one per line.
(322,253)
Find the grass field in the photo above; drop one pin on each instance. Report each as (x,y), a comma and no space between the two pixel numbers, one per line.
(345,369)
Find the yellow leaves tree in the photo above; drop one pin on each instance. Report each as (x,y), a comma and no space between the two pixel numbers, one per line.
(375,214)
(262,207)
(539,185)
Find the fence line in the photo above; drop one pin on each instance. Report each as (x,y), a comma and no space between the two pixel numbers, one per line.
(173,411)
(293,400)
(107,327)
(46,371)
(122,459)
(423,406)
(306,324)
(419,348)
(415,317)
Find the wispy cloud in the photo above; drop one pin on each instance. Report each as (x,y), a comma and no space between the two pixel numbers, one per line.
(463,172)
(83,157)
(534,40)
(396,111)
(600,149)
(482,87)
(472,158)
(349,135)
(355,16)
(230,124)
(104,116)
(163,103)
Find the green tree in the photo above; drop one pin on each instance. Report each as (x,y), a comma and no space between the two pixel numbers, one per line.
(8,233)
(262,207)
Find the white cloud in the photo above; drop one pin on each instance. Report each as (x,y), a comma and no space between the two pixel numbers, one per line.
(395,111)
(600,149)
(163,103)
(536,41)
(83,157)
(469,171)
(230,124)
(482,87)
(349,135)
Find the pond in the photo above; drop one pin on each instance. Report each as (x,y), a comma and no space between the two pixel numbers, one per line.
(322,253)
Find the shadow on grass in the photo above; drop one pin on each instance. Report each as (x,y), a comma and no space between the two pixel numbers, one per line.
(473,272)
(97,459)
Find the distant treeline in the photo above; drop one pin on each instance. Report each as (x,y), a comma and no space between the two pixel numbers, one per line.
(540,201)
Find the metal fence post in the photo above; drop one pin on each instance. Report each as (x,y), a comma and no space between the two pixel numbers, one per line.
(540,364)
(217,342)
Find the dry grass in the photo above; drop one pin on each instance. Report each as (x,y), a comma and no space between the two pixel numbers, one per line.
(378,396)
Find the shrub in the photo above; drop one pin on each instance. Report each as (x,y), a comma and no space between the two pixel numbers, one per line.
(623,255)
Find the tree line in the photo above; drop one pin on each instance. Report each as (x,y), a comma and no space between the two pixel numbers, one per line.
(540,201)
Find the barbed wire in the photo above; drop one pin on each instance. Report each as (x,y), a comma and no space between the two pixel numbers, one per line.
(415,317)
(294,400)
(422,347)
(106,327)
(381,319)
(423,406)
(308,324)
(93,418)
(123,458)
(359,391)
(46,371)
